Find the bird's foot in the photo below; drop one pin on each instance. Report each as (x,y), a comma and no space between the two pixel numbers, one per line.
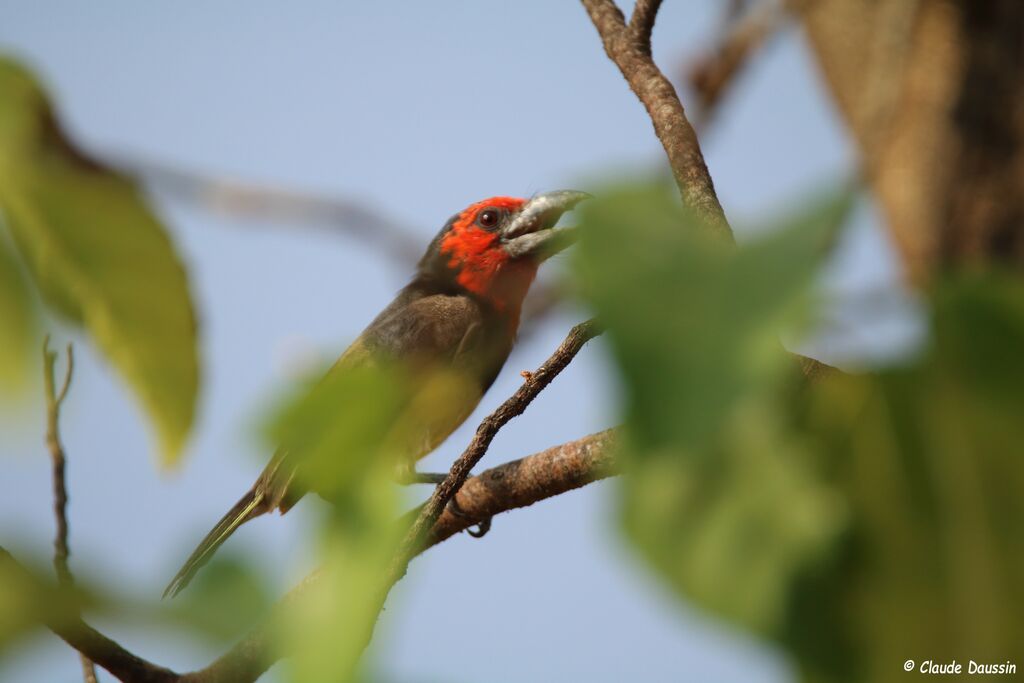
(482,527)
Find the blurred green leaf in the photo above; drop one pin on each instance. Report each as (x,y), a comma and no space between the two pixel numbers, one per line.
(18,609)
(29,598)
(337,426)
(18,324)
(99,256)
(720,499)
(346,434)
(929,458)
(224,600)
(860,521)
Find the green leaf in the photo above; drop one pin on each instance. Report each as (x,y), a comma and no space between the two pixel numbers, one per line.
(345,435)
(224,600)
(859,522)
(928,457)
(99,256)
(719,498)
(18,330)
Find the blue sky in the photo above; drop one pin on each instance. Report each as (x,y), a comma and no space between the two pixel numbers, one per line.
(417,109)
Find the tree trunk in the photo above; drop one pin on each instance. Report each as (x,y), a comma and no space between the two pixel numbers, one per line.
(933,92)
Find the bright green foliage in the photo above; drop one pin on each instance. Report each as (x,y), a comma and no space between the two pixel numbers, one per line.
(929,461)
(224,600)
(721,499)
(860,521)
(99,257)
(17,323)
(18,608)
(30,598)
(347,432)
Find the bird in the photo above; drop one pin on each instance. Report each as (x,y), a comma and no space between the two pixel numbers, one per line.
(461,310)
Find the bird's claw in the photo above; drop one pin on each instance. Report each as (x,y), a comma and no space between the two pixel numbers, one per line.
(482,526)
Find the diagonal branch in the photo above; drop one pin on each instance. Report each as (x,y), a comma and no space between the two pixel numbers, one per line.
(54,400)
(666,112)
(629,48)
(642,22)
(535,382)
(711,74)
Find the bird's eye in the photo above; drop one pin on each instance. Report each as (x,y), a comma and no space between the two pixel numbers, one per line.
(488,218)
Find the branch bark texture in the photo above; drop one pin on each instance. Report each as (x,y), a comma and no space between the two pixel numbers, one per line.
(629,47)
(521,483)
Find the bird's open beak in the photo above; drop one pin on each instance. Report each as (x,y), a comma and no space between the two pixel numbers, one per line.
(532,231)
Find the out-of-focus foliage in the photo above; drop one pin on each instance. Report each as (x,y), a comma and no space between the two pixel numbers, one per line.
(224,600)
(928,459)
(721,498)
(29,598)
(17,322)
(347,434)
(860,521)
(18,607)
(98,255)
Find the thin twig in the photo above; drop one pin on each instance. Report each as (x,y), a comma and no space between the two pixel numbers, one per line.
(485,433)
(677,136)
(54,400)
(711,74)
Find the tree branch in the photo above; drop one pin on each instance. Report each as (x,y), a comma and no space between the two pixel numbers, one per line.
(515,484)
(512,485)
(642,22)
(666,112)
(521,483)
(59,613)
(629,48)
(535,382)
(54,400)
(711,74)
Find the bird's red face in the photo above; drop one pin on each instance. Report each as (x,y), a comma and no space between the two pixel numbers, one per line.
(494,246)
(476,256)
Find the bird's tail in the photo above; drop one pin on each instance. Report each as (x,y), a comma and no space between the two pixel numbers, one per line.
(245,509)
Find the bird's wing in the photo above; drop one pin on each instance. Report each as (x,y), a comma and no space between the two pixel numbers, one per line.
(439,329)
(431,331)
(427,333)
(454,354)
